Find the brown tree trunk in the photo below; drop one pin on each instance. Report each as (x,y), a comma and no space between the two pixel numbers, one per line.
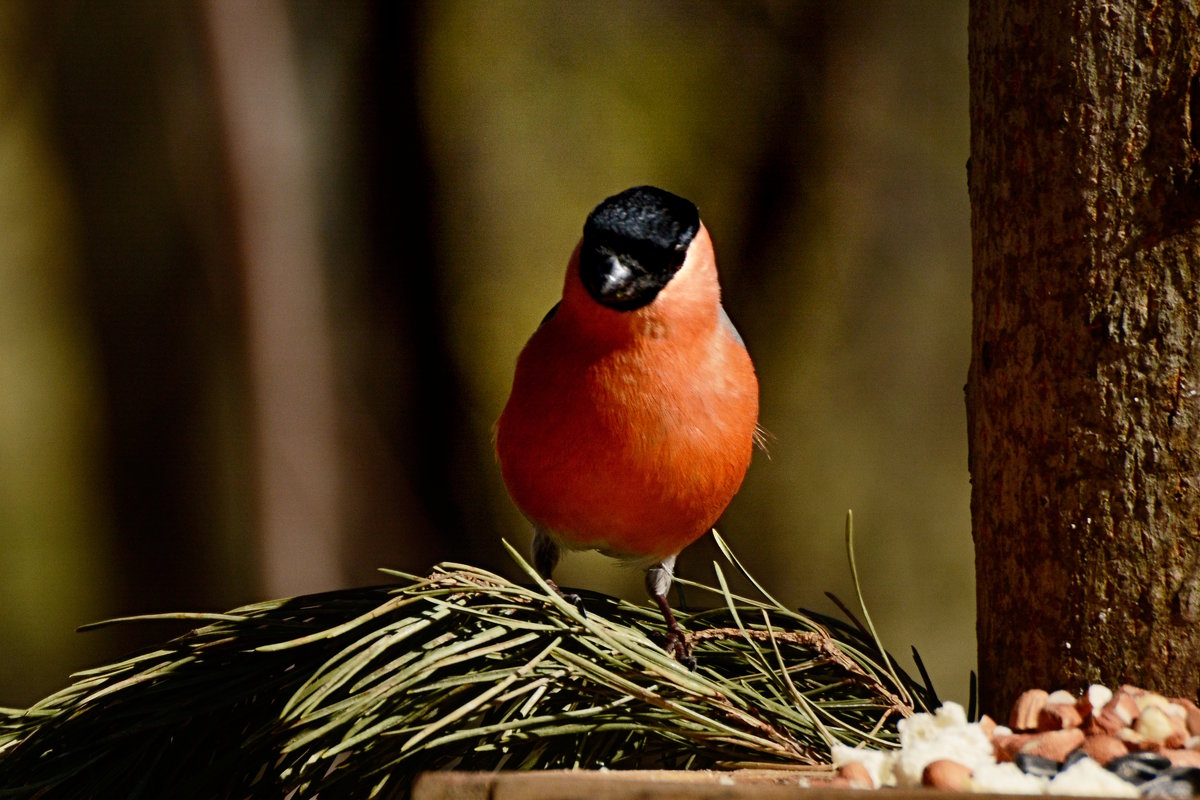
(1082,396)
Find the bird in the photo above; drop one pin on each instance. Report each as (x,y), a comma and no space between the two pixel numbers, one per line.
(633,412)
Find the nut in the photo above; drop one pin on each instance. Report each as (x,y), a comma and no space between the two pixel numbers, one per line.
(1097,695)
(1183,758)
(1104,747)
(1104,720)
(1054,745)
(1060,697)
(1024,716)
(1191,713)
(1156,725)
(855,775)
(987,725)
(946,774)
(1058,716)
(1146,699)
(1133,740)
(1090,704)
(1123,706)
(1008,745)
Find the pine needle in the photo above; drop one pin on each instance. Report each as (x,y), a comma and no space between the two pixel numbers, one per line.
(352,693)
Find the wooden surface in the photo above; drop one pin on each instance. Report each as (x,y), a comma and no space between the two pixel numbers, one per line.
(617,785)
(656,785)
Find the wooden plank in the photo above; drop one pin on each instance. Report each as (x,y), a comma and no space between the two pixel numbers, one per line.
(612,785)
(654,785)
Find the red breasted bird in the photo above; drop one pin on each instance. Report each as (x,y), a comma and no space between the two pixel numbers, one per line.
(634,407)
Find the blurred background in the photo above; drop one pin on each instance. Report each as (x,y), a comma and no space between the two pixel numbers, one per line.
(265,268)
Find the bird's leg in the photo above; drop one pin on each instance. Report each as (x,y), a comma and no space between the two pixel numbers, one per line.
(658,583)
(546,553)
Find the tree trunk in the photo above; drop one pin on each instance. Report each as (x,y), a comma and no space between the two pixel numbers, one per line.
(1082,398)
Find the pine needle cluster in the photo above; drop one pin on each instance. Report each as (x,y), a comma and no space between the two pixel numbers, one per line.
(353,693)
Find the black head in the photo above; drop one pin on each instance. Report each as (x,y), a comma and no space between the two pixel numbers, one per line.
(633,243)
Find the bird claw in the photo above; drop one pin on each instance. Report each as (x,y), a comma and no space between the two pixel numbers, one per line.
(678,648)
(570,597)
(576,601)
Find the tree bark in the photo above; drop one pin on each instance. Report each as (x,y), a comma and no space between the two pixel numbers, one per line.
(1083,413)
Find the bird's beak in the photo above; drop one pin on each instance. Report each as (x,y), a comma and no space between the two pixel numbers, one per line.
(614,278)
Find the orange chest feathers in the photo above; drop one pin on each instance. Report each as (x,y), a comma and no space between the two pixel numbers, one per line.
(633,448)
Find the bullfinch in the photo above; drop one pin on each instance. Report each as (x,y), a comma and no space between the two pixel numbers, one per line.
(634,406)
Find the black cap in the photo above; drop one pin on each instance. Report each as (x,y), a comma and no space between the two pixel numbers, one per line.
(633,243)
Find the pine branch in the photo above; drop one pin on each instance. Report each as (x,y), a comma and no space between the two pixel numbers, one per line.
(356,691)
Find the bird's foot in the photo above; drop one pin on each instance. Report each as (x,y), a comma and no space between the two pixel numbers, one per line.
(679,648)
(570,597)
